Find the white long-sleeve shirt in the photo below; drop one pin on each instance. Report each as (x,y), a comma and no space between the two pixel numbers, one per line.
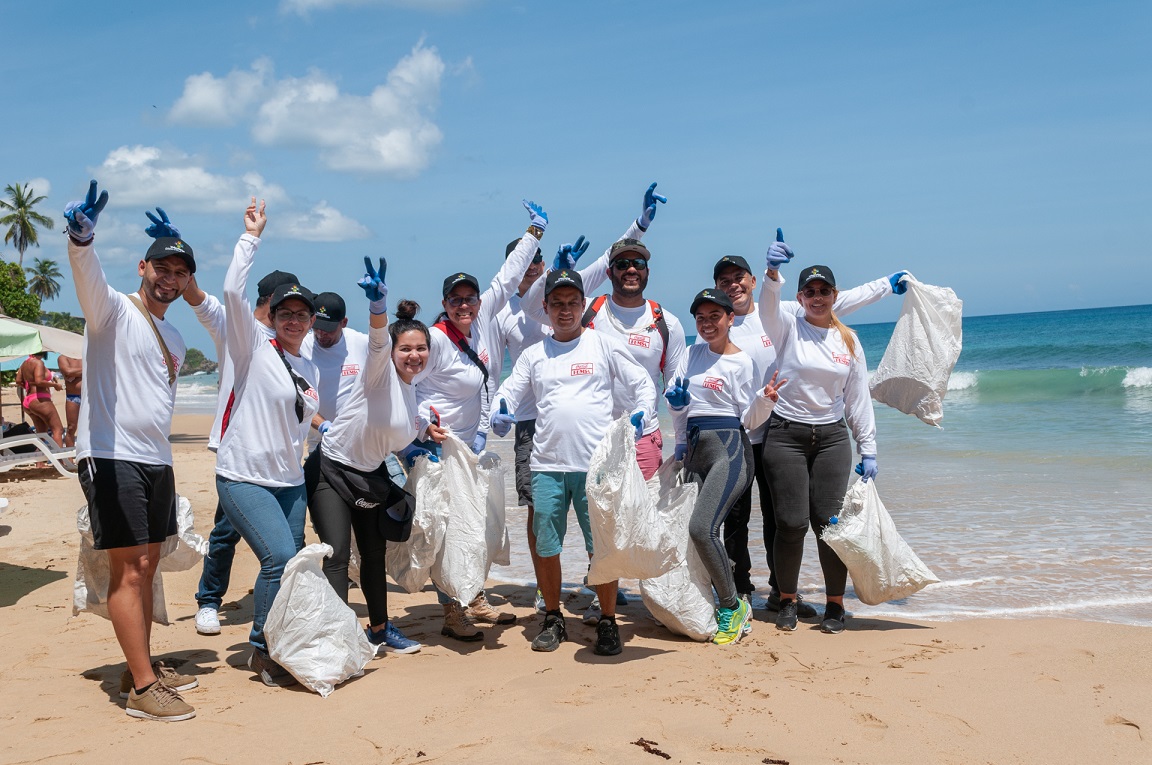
(826,382)
(339,368)
(720,385)
(453,383)
(265,439)
(379,414)
(128,402)
(578,387)
(516,332)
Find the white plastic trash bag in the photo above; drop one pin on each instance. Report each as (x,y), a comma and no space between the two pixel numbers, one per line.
(310,631)
(180,552)
(882,565)
(680,599)
(913,375)
(409,563)
(462,566)
(633,535)
(499,546)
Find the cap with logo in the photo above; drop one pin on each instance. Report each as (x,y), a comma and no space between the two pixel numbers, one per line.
(330,311)
(288,291)
(460,278)
(537,258)
(625,246)
(170,246)
(266,286)
(728,261)
(816,274)
(711,295)
(563,278)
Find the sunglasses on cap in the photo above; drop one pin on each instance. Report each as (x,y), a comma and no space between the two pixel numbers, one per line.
(456,302)
(623,264)
(811,292)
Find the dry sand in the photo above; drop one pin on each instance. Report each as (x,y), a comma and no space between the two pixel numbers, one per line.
(885,691)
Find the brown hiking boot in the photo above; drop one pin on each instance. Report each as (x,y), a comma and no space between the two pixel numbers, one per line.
(458,625)
(159,702)
(481,611)
(164,674)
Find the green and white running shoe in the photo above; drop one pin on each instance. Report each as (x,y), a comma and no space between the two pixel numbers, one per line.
(731,624)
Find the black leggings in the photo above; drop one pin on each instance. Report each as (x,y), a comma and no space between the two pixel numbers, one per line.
(808,468)
(736,528)
(334,521)
(720,462)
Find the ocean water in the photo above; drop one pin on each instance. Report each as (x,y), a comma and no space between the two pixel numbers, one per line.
(196,394)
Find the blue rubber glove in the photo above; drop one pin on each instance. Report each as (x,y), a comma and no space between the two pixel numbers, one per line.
(503,421)
(637,421)
(779,253)
(160,226)
(539,217)
(478,442)
(568,254)
(411,452)
(324,427)
(680,453)
(898,287)
(374,287)
(867,467)
(649,211)
(678,395)
(81,216)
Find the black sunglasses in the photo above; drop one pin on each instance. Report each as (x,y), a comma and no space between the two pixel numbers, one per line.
(623,264)
(811,292)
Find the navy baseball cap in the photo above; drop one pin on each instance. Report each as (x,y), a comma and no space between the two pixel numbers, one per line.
(711,295)
(460,278)
(816,274)
(266,286)
(170,246)
(330,311)
(728,261)
(287,291)
(563,278)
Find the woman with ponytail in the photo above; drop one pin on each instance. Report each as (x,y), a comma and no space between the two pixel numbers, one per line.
(807,453)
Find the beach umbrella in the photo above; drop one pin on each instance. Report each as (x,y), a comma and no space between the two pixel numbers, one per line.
(17,340)
(15,333)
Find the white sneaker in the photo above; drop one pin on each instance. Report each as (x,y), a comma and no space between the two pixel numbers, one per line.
(208,621)
(593,614)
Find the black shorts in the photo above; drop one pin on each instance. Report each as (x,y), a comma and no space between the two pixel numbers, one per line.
(129,503)
(524,432)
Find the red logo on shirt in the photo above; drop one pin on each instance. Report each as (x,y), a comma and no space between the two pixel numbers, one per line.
(311,393)
(643,341)
(714,383)
(350,370)
(766,340)
(842,358)
(581,369)
(484,357)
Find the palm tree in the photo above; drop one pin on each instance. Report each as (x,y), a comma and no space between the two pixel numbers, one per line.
(44,279)
(22,220)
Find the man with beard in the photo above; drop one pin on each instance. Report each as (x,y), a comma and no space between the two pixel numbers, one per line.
(339,354)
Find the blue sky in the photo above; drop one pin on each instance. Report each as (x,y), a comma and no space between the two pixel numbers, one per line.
(1001,149)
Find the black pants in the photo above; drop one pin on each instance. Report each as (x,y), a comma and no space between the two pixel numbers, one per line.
(334,521)
(807,468)
(736,528)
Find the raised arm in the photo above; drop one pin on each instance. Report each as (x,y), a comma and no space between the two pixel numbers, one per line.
(99,303)
(243,336)
(508,278)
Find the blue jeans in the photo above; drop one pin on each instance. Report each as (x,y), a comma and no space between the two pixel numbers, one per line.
(218,563)
(271,521)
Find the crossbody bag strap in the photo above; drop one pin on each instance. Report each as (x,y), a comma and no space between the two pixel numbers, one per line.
(298,382)
(169,364)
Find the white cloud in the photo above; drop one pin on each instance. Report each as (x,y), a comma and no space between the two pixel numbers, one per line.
(324,224)
(40,186)
(388,131)
(302,7)
(148,176)
(220,102)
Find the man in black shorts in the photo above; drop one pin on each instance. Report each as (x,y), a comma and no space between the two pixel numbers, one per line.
(131,355)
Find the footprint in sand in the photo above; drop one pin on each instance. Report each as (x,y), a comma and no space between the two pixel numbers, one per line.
(874,727)
(1125,724)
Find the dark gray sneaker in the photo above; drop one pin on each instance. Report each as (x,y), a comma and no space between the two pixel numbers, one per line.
(803,610)
(786,619)
(834,617)
(271,673)
(608,638)
(552,634)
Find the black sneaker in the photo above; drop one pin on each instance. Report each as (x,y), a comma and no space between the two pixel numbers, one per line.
(803,610)
(552,634)
(786,619)
(608,638)
(834,617)
(271,673)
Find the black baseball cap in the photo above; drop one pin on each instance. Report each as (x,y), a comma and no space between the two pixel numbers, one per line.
(711,295)
(538,257)
(563,278)
(266,286)
(286,291)
(460,278)
(727,262)
(816,274)
(628,245)
(169,246)
(330,311)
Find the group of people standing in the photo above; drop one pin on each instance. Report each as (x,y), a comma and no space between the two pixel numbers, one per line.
(766,395)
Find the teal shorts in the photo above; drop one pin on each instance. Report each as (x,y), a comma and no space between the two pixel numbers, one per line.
(551,495)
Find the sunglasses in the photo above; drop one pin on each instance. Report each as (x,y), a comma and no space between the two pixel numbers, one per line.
(811,292)
(456,302)
(300,316)
(623,264)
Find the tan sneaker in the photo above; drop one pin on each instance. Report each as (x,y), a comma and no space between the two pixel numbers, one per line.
(482,612)
(158,703)
(164,674)
(458,625)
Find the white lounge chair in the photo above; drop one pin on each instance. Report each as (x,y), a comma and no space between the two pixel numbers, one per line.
(64,460)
